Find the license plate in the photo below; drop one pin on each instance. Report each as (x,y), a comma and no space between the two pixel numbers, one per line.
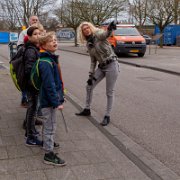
(134,50)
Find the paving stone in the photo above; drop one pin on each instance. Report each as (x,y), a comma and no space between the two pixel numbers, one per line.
(3,167)
(75,158)
(8,177)
(96,136)
(3,153)
(35,163)
(20,140)
(16,165)
(113,130)
(80,158)
(3,124)
(94,157)
(11,132)
(8,141)
(84,145)
(68,146)
(86,172)
(108,170)
(119,178)
(15,124)
(1,141)
(37,151)
(111,152)
(18,151)
(77,135)
(59,173)
(129,171)
(34,175)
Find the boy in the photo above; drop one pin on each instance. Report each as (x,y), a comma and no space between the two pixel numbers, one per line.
(51,95)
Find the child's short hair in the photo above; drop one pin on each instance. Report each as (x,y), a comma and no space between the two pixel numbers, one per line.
(46,37)
(31,30)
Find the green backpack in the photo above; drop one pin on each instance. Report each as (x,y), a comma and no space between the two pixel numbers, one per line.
(35,76)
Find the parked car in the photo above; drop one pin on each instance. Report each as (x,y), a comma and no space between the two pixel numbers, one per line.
(147,38)
(127,39)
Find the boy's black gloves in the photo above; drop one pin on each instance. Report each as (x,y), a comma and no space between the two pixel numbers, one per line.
(112,26)
(90,80)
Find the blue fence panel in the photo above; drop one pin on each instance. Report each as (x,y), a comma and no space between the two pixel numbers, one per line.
(4,37)
(169,34)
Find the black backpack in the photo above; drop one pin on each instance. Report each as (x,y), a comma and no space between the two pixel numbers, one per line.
(17,69)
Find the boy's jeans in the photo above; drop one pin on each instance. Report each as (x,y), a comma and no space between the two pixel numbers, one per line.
(49,128)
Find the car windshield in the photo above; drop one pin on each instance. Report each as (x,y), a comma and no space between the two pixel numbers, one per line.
(130,31)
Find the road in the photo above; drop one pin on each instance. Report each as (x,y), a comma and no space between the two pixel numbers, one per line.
(146,108)
(146,105)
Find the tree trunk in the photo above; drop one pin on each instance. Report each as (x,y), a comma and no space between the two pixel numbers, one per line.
(75,37)
(162,38)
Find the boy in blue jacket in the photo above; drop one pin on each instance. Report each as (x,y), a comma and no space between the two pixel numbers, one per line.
(51,95)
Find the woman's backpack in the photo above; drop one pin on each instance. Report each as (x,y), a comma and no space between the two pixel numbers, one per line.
(17,69)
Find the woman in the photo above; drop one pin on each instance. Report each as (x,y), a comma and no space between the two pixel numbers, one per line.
(100,51)
(30,56)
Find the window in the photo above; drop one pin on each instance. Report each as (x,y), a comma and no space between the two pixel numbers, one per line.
(130,31)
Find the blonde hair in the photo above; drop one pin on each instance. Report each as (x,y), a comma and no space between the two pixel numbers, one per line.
(81,37)
(43,39)
(39,26)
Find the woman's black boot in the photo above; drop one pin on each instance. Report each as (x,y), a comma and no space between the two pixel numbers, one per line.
(105,121)
(85,112)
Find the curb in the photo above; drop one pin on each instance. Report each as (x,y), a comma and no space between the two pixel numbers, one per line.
(145,161)
(133,64)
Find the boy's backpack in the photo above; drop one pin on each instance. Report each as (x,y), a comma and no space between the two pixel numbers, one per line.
(35,75)
(17,69)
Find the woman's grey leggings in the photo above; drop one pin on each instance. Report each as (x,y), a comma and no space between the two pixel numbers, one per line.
(109,71)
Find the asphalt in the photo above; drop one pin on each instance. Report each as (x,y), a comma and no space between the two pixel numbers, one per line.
(160,59)
(92,152)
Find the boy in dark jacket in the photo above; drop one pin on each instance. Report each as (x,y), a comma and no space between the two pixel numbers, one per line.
(51,95)
(30,57)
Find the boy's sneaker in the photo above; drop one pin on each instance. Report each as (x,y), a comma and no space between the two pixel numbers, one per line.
(33,142)
(52,159)
(35,133)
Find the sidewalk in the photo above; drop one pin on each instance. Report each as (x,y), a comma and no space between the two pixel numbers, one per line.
(91,151)
(164,60)
(88,153)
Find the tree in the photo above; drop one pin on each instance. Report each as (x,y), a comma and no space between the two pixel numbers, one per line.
(19,11)
(68,15)
(139,11)
(98,11)
(161,14)
(176,11)
(74,12)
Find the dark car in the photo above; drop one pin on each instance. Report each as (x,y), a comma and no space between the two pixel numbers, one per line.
(147,38)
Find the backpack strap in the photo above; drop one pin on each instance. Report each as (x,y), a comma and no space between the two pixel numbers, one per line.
(42,60)
(35,70)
